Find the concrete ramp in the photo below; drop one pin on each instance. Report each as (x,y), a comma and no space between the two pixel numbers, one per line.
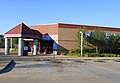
(8,67)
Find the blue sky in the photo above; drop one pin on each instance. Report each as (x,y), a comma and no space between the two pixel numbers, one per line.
(35,12)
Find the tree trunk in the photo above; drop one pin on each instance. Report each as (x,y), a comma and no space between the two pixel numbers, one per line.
(96,49)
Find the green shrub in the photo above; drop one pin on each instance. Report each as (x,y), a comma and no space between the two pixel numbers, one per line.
(117,55)
(93,55)
(86,54)
(71,51)
(89,53)
(110,55)
(102,55)
(74,51)
(89,50)
(113,55)
(73,54)
(14,50)
(63,53)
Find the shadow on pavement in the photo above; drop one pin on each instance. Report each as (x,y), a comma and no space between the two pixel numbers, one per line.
(8,67)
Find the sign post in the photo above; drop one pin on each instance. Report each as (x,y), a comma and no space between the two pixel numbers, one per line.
(54,50)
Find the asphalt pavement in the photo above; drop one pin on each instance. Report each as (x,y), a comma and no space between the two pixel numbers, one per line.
(63,69)
(82,71)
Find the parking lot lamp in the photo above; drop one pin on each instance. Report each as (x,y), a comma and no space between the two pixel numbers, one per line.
(81,43)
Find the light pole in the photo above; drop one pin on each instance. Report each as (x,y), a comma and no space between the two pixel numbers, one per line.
(81,43)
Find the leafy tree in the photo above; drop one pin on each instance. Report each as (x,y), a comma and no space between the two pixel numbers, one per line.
(15,43)
(15,40)
(97,38)
(101,40)
(2,41)
(113,42)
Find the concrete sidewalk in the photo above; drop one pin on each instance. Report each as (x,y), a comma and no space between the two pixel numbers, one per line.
(73,57)
(60,57)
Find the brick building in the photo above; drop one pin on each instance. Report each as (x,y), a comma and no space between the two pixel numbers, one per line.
(60,37)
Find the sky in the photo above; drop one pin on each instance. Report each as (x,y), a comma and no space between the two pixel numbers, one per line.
(36,12)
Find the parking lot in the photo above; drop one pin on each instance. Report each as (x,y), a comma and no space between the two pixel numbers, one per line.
(73,70)
(30,71)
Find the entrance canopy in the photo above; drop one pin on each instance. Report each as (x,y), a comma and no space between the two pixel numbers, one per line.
(23,31)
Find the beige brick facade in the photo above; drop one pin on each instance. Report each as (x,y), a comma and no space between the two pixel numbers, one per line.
(67,39)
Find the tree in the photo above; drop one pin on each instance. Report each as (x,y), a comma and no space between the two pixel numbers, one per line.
(15,43)
(2,41)
(113,42)
(103,42)
(97,38)
(15,40)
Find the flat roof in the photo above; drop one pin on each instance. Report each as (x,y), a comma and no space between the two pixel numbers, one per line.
(77,26)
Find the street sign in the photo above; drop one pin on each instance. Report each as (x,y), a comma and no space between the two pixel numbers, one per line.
(54,46)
